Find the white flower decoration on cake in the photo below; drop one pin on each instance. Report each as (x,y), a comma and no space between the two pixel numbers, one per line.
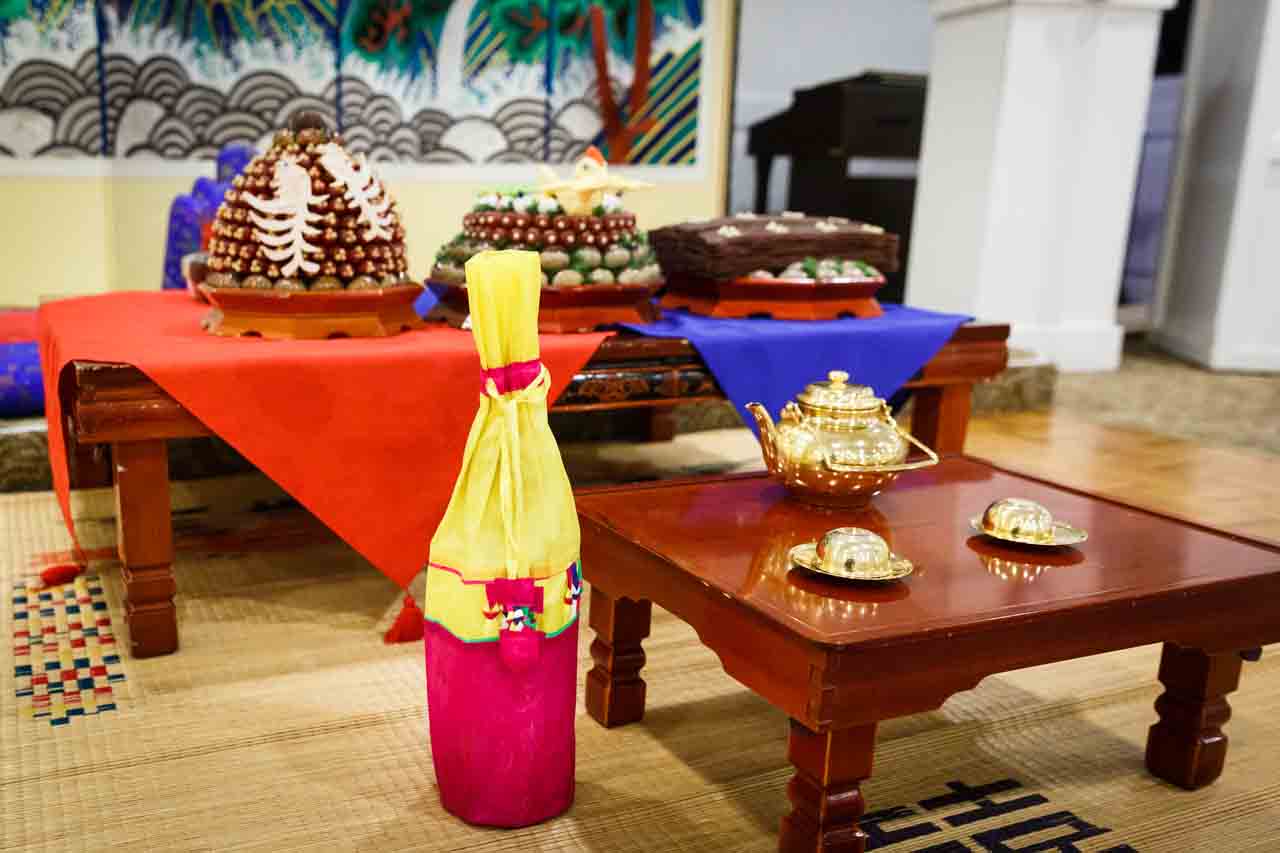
(524,203)
(286,239)
(728,231)
(487,200)
(872,229)
(548,205)
(792,214)
(611,202)
(777,228)
(362,188)
(827,227)
(746,214)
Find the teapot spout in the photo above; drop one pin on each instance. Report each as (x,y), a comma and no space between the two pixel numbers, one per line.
(768,434)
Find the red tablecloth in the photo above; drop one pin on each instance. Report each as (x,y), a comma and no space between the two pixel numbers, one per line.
(366,433)
(17,324)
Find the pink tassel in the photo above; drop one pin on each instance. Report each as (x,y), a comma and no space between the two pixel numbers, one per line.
(519,650)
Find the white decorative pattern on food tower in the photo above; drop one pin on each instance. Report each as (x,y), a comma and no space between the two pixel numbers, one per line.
(362,189)
(287,223)
(307,215)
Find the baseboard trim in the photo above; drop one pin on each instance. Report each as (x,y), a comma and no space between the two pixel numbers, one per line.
(1072,349)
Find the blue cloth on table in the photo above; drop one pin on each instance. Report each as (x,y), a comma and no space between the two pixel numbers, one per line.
(424,303)
(770,361)
(21,384)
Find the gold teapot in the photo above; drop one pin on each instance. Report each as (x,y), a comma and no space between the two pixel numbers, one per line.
(836,444)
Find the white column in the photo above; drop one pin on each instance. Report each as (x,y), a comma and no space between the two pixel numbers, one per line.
(1221,302)
(1032,133)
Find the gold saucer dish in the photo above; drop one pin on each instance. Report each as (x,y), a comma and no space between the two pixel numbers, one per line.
(851,553)
(836,444)
(1026,523)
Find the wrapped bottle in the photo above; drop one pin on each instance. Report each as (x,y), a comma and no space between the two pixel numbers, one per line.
(503,581)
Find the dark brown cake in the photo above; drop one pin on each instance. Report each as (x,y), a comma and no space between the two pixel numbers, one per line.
(306,215)
(737,245)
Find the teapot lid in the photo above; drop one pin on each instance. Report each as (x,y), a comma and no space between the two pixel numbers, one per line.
(837,395)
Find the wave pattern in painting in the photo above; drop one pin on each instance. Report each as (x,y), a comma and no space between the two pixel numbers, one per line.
(51,110)
(413,81)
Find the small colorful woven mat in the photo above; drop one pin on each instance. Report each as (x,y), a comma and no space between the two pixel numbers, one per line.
(65,656)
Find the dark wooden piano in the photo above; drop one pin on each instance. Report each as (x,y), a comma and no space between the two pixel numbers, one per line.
(875,115)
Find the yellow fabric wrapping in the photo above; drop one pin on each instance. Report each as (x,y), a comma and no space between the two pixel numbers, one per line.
(512,513)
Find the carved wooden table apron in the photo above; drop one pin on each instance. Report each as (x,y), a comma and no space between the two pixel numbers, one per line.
(838,658)
(116,406)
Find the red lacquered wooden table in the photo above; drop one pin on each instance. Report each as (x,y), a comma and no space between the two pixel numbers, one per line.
(115,409)
(838,658)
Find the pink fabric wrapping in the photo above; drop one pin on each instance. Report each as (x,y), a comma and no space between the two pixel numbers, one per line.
(503,742)
(512,377)
(519,650)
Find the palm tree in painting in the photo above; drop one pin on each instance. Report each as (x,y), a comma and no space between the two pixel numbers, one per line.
(399,35)
(625,27)
(218,25)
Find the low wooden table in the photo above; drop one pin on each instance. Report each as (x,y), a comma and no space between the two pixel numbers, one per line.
(115,414)
(838,657)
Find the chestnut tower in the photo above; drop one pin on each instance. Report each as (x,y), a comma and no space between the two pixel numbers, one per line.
(307,215)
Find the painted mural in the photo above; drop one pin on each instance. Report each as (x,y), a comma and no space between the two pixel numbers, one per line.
(412,81)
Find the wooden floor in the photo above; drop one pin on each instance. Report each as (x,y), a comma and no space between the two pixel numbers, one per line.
(1232,488)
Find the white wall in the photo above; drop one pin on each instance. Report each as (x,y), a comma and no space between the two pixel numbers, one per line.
(1222,303)
(785,45)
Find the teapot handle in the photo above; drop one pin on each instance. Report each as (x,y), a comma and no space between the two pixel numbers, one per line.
(842,468)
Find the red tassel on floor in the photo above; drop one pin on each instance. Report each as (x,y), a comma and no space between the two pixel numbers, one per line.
(408,625)
(61,573)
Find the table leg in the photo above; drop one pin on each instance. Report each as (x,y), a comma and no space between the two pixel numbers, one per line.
(89,466)
(662,424)
(940,416)
(145,535)
(615,691)
(826,800)
(1187,746)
